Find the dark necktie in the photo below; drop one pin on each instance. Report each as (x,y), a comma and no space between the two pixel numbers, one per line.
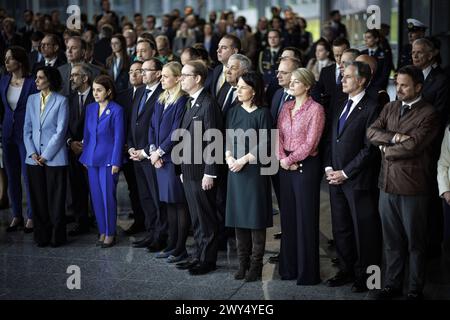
(189,103)
(229,101)
(80,104)
(143,100)
(344,116)
(284,98)
(405,108)
(339,79)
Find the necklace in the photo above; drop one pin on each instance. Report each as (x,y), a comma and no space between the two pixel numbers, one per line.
(16,82)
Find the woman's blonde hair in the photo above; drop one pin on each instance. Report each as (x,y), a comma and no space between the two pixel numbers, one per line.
(175,69)
(305,76)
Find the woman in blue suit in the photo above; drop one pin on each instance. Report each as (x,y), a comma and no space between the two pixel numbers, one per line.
(166,118)
(103,141)
(15,88)
(44,135)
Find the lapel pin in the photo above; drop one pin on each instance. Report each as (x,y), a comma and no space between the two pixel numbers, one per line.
(108,111)
(359,108)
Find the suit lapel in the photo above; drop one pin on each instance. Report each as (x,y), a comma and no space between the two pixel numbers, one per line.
(192,112)
(5,90)
(356,111)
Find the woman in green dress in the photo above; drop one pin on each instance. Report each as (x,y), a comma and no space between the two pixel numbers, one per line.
(249,205)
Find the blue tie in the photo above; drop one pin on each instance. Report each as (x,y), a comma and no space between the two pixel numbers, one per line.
(339,79)
(344,116)
(143,100)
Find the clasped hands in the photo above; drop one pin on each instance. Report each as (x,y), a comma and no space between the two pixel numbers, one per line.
(335,177)
(285,166)
(137,155)
(40,161)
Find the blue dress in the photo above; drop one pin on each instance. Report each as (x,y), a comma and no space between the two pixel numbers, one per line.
(163,124)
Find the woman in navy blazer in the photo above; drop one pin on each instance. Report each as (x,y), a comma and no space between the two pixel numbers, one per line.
(103,142)
(166,118)
(44,135)
(15,88)
(118,62)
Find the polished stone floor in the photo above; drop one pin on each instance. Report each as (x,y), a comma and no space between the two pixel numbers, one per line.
(122,272)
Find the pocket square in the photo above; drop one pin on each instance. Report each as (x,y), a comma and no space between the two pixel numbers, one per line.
(195,117)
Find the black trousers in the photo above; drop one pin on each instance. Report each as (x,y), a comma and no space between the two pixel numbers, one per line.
(205,221)
(221,204)
(48,195)
(404,220)
(300,209)
(79,190)
(155,218)
(356,228)
(133,192)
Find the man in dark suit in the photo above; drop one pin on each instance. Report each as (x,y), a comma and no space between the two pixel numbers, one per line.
(435,92)
(81,83)
(27,30)
(330,80)
(154,219)
(228,45)
(416,30)
(76,48)
(349,170)
(405,132)
(126,99)
(380,79)
(200,179)
(50,51)
(35,54)
(285,69)
(269,57)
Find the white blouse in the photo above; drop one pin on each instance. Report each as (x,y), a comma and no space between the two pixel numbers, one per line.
(13,96)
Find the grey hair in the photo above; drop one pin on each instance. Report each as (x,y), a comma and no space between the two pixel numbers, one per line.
(425,42)
(85,70)
(244,61)
(362,71)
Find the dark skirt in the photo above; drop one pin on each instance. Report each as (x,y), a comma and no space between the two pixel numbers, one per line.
(299,208)
(169,184)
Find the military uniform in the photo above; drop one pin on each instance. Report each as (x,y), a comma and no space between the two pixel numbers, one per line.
(268,64)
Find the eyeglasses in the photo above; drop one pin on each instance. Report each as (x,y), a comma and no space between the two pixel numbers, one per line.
(147,70)
(284,73)
(183,75)
(138,71)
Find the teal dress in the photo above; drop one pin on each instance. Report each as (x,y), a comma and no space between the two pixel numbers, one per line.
(249,196)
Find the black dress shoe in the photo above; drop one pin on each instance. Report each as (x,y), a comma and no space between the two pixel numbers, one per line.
(150,237)
(274,259)
(202,268)
(135,228)
(414,295)
(277,235)
(145,243)
(28,230)
(340,279)
(15,227)
(388,293)
(109,245)
(79,230)
(156,246)
(187,264)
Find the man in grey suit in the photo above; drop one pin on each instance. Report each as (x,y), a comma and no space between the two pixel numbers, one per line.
(76,48)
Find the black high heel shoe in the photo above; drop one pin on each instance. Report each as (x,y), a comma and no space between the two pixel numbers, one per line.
(15,227)
(108,245)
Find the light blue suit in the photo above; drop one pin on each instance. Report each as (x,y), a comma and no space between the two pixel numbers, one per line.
(103,142)
(45,135)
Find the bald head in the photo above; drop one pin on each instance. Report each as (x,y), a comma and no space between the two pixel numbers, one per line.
(371,61)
